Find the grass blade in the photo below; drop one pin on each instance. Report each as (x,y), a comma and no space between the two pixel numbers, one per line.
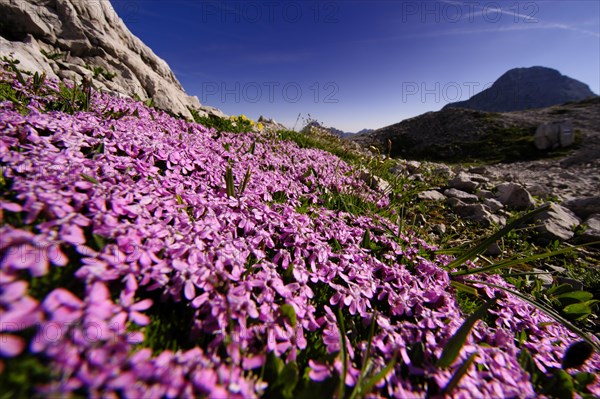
(464,288)
(343,351)
(371,382)
(245,182)
(456,342)
(358,390)
(483,245)
(229,184)
(513,262)
(548,311)
(456,377)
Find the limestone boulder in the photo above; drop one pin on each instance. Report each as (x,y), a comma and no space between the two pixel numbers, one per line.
(71,38)
(557,223)
(514,196)
(584,207)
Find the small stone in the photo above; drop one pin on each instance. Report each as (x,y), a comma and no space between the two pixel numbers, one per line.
(479,179)
(584,207)
(439,229)
(539,190)
(544,276)
(493,204)
(514,196)
(556,223)
(431,195)
(592,228)
(480,170)
(461,195)
(455,203)
(482,194)
(413,166)
(463,182)
(478,213)
(493,250)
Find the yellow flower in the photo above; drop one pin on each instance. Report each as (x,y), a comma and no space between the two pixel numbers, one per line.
(260,126)
(243,117)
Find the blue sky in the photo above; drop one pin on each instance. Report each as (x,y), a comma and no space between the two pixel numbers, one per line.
(359,64)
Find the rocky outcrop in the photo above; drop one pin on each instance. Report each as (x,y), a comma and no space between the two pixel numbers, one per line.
(70,39)
(514,196)
(584,207)
(557,223)
(527,88)
(463,135)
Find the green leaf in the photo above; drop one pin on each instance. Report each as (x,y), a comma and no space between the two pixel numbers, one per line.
(342,331)
(484,244)
(371,382)
(514,262)
(456,342)
(366,240)
(561,386)
(229,184)
(179,199)
(288,311)
(464,288)
(574,296)
(89,178)
(528,364)
(252,148)
(584,379)
(560,289)
(577,311)
(460,372)
(288,379)
(358,389)
(245,182)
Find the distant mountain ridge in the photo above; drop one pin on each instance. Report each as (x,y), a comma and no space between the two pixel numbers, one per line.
(527,88)
(336,132)
(463,135)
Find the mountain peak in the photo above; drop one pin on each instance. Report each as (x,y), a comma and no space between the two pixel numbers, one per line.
(527,88)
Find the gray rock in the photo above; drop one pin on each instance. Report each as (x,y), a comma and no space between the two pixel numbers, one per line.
(584,207)
(483,194)
(514,196)
(442,170)
(554,134)
(270,125)
(375,182)
(479,179)
(577,285)
(431,195)
(544,276)
(556,223)
(592,228)
(455,203)
(539,190)
(439,229)
(461,195)
(413,166)
(493,250)
(89,33)
(493,204)
(479,213)
(463,182)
